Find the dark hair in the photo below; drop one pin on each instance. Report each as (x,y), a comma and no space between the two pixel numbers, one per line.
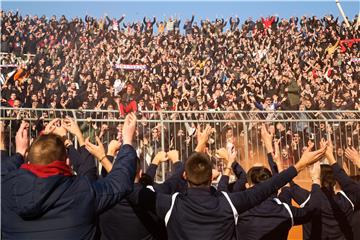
(47,149)
(198,169)
(258,174)
(327,178)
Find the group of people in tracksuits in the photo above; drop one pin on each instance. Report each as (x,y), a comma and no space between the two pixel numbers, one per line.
(46,201)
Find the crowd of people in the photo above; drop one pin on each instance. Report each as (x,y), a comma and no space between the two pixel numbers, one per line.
(51,189)
(305,63)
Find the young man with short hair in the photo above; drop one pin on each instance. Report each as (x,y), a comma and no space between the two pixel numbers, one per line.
(204,213)
(44,200)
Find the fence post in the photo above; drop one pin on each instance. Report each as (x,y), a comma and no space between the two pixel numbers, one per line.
(246,145)
(162,145)
(75,138)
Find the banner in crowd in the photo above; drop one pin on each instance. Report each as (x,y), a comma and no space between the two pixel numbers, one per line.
(130,66)
(8,65)
(348,43)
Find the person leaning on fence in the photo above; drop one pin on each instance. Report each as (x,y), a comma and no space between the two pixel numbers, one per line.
(42,199)
(202,207)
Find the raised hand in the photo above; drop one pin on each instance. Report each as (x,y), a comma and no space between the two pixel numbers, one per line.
(202,138)
(51,126)
(346,168)
(353,155)
(222,153)
(309,157)
(60,131)
(72,127)
(277,155)
(129,128)
(113,147)
(267,139)
(315,171)
(54,127)
(173,156)
(214,174)
(22,138)
(98,151)
(329,154)
(232,157)
(160,157)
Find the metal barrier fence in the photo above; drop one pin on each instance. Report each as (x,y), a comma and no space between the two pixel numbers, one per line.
(168,130)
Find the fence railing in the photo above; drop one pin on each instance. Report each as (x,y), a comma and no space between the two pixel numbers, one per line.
(168,130)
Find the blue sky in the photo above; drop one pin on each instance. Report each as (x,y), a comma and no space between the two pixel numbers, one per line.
(135,10)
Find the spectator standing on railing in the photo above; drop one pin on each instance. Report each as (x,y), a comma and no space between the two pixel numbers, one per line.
(234,23)
(188,25)
(148,24)
(161,27)
(113,23)
(170,25)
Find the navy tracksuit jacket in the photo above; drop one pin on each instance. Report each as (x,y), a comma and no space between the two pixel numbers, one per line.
(205,213)
(128,220)
(273,218)
(334,218)
(352,190)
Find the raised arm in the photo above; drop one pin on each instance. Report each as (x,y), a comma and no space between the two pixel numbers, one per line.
(119,181)
(349,186)
(108,19)
(255,195)
(72,127)
(98,151)
(82,162)
(241,177)
(267,139)
(175,182)
(159,158)
(224,180)
(121,19)
(305,214)
(9,164)
(192,19)
(353,155)
(202,138)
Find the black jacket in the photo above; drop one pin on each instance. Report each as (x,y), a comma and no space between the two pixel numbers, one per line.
(273,219)
(334,218)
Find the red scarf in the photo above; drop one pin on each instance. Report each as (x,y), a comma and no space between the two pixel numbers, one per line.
(48,170)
